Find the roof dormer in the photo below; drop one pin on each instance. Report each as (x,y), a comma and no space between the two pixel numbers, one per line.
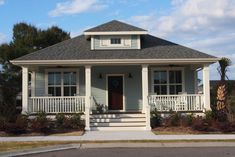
(115,35)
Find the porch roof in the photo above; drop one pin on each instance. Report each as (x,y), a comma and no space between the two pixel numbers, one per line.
(79,48)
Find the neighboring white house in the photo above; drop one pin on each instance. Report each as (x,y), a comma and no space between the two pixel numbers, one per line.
(121,67)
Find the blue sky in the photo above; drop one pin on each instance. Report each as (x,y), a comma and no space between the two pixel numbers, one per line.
(205,25)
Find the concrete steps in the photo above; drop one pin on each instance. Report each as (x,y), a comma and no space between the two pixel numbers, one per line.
(118,121)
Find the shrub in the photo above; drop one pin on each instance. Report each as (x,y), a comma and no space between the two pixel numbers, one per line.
(156,119)
(69,121)
(210,117)
(19,126)
(75,121)
(175,119)
(189,119)
(200,124)
(60,118)
(3,122)
(41,123)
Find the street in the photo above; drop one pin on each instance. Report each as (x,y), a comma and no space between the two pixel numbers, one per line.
(142,152)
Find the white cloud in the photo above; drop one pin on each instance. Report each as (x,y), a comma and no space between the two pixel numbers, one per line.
(2,2)
(76,6)
(206,25)
(3,38)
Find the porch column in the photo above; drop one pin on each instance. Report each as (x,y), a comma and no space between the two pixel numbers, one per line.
(33,83)
(144,87)
(206,87)
(146,108)
(88,95)
(25,89)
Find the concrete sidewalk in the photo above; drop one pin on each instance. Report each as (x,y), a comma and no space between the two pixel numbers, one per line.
(121,136)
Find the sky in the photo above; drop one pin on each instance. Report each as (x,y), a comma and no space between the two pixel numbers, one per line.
(204,25)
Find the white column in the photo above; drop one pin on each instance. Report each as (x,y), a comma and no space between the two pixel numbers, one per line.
(144,87)
(195,82)
(33,77)
(146,108)
(25,89)
(206,87)
(88,96)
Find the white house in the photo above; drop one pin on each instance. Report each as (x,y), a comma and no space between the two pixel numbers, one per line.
(120,66)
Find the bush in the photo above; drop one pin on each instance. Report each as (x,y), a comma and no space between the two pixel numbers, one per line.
(210,116)
(69,121)
(3,122)
(200,124)
(175,119)
(60,118)
(19,126)
(189,119)
(41,123)
(76,121)
(156,119)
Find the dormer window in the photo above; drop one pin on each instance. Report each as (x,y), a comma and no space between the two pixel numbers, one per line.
(115,41)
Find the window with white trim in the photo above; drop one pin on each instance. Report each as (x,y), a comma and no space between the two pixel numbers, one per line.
(167,82)
(62,83)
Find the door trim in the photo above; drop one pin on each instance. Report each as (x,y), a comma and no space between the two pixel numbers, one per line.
(123,88)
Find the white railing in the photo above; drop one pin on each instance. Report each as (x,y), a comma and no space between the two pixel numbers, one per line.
(65,104)
(184,102)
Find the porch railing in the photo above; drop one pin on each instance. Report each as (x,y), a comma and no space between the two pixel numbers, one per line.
(65,104)
(185,102)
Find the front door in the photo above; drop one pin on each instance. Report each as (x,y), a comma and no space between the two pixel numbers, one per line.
(115,92)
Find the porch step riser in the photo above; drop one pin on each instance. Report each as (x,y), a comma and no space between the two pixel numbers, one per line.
(126,120)
(117,116)
(118,124)
(117,128)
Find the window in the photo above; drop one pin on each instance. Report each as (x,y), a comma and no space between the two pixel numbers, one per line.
(167,82)
(70,83)
(115,40)
(62,83)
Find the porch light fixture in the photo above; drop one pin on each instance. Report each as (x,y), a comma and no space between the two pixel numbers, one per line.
(130,75)
(100,76)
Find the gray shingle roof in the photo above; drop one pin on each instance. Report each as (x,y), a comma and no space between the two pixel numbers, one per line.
(79,48)
(114,26)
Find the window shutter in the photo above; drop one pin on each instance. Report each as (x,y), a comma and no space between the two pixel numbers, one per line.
(104,41)
(127,41)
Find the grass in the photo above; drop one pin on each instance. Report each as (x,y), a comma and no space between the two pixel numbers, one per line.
(170,133)
(10,146)
(72,133)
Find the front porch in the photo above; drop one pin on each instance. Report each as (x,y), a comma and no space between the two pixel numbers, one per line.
(80,89)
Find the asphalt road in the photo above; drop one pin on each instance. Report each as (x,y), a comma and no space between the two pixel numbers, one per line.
(142,152)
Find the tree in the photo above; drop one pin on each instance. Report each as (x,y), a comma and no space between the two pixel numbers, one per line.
(222,90)
(26,39)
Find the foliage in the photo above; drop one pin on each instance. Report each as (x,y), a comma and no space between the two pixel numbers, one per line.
(189,119)
(2,123)
(175,119)
(60,118)
(26,39)
(76,121)
(224,63)
(222,90)
(41,123)
(100,108)
(156,119)
(69,121)
(19,126)
(209,116)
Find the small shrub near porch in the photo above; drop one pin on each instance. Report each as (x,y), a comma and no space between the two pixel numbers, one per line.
(179,123)
(40,124)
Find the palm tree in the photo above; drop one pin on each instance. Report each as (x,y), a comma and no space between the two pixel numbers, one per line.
(224,63)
